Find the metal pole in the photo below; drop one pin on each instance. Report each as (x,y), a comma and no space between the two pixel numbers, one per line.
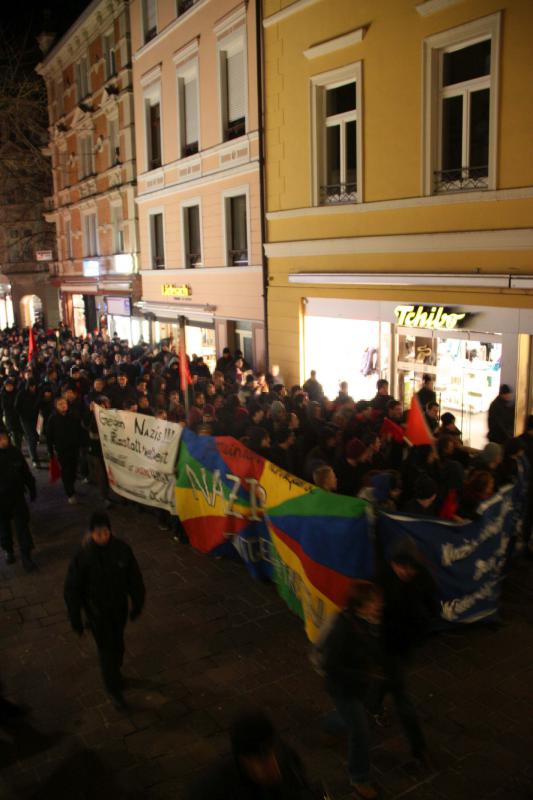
(183,358)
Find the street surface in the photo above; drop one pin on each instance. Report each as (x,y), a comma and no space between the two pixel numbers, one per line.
(211,642)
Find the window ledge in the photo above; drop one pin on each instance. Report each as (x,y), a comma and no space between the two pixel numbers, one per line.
(430,7)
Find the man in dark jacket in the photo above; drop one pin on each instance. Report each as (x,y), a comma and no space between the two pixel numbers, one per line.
(411,606)
(8,396)
(15,478)
(63,436)
(261,766)
(26,406)
(122,392)
(351,657)
(102,579)
(501,416)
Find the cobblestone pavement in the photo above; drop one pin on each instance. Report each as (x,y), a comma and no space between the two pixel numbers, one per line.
(211,642)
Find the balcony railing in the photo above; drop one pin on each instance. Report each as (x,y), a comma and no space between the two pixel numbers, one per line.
(185,5)
(193,259)
(235,129)
(158,262)
(461,179)
(338,193)
(238,258)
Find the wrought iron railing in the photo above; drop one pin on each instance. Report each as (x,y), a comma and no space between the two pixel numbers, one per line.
(338,193)
(236,128)
(461,179)
(185,5)
(193,259)
(238,258)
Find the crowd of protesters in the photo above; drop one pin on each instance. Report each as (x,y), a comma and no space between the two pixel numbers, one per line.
(342,445)
(49,383)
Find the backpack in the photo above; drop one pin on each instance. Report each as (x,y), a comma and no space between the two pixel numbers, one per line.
(318,652)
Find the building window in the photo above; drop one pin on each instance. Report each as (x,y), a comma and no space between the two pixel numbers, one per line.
(188,110)
(149,16)
(114,149)
(86,156)
(337,136)
(63,169)
(460,114)
(82,78)
(191,235)
(184,5)
(157,242)
(68,239)
(153,132)
(117,225)
(90,235)
(237,230)
(233,89)
(110,56)
(60,105)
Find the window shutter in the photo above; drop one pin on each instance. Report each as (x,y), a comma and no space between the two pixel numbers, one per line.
(235,82)
(190,91)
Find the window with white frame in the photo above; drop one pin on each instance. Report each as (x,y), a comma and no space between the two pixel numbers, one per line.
(110,55)
(192,236)
(117,226)
(337,150)
(460,114)
(236,230)
(68,239)
(188,109)
(113,137)
(90,234)
(152,108)
(157,241)
(86,156)
(233,87)
(82,78)
(149,18)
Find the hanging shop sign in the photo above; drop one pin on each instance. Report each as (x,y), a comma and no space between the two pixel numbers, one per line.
(171,290)
(430,317)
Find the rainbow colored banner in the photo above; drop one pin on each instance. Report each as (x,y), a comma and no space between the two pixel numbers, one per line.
(311,543)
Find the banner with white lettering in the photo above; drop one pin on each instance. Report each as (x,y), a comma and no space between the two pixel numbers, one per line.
(140,456)
(466,560)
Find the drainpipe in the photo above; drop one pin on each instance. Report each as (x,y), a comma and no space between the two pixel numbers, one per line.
(262,189)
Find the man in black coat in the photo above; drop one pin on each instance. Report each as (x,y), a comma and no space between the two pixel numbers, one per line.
(63,435)
(102,580)
(26,405)
(15,478)
(501,416)
(8,396)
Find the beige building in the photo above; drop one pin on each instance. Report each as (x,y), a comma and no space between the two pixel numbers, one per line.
(199,187)
(88,80)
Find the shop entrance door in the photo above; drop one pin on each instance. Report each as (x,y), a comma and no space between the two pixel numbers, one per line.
(466,372)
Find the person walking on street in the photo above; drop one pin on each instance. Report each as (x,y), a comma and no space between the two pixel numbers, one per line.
(104,583)
(64,435)
(426,394)
(15,478)
(410,606)
(501,416)
(26,405)
(351,658)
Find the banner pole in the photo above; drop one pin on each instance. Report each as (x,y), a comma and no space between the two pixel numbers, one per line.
(183,359)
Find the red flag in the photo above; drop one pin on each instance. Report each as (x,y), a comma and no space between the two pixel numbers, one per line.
(390,428)
(31,345)
(417,430)
(185,375)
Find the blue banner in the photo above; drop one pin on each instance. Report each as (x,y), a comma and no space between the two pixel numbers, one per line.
(467,561)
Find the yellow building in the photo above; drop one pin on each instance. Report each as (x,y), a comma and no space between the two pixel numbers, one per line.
(399,182)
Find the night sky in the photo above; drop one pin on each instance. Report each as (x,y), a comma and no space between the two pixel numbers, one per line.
(26,19)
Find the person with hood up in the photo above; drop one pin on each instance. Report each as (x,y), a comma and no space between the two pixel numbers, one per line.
(15,479)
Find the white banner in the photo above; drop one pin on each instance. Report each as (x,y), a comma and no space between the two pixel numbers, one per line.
(140,456)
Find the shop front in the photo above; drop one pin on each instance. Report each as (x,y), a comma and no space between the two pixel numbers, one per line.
(95,303)
(468,351)
(221,308)
(7,318)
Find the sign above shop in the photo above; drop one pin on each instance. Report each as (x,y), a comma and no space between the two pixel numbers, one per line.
(43,255)
(171,290)
(429,317)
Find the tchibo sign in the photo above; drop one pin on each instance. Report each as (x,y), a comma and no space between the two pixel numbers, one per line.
(429,317)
